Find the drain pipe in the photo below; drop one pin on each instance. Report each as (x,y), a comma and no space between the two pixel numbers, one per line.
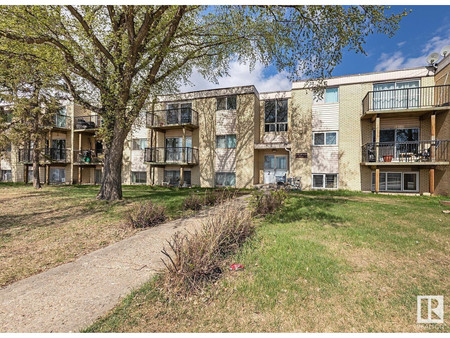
(289,171)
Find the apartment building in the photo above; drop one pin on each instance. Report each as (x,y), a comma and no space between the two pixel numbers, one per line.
(382,132)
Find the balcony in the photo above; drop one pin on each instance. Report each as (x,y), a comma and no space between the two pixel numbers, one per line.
(161,156)
(88,122)
(396,101)
(47,155)
(404,153)
(172,119)
(87,157)
(60,121)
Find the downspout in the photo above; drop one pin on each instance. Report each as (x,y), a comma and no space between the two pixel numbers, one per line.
(289,171)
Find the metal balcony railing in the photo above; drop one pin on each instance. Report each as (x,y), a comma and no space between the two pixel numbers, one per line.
(415,151)
(55,155)
(87,122)
(87,157)
(407,98)
(172,117)
(172,155)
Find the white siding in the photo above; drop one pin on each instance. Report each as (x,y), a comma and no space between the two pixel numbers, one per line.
(225,160)
(137,161)
(325,117)
(5,165)
(280,137)
(325,160)
(225,122)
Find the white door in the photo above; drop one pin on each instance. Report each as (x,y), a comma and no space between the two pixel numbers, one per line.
(269,169)
(275,168)
(280,168)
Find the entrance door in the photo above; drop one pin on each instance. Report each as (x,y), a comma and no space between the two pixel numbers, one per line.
(275,168)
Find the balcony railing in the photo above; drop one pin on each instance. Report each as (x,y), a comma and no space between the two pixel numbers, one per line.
(87,157)
(172,117)
(415,151)
(172,155)
(407,98)
(55,155)
(87,122)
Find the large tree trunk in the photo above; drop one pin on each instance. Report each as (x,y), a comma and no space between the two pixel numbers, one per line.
(36,179)
(111,188)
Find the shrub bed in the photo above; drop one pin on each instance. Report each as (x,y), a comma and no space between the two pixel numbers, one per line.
(147,215)
(267,203)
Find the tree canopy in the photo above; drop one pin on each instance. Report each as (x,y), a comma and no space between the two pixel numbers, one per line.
(114,59)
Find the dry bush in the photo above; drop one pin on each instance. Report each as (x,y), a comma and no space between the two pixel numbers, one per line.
(267,203)
(196,259)
(147,215)
(193,202)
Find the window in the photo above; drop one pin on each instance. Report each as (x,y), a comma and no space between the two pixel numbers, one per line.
(179,113)
(60,118)
(138,177)
(331,95)
(396,95)
(172,177)
(325,181)
(6,176)
(139,144)
(389,181)
(57,175)
(225,179)
(226,141)
(325,138)
(226,103)
(276,115)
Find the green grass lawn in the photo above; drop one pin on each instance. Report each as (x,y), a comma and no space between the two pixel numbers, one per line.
(327,262)
(40,229)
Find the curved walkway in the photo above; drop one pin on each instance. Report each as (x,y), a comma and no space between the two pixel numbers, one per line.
(72,296)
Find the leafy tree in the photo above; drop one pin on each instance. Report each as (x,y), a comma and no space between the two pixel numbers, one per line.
(119,57)
(27,85)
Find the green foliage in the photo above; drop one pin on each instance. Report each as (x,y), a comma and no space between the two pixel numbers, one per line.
(116,59)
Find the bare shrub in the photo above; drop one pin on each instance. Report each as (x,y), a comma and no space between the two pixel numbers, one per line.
(147,215)
(193,202)
(194,260)
(267,203)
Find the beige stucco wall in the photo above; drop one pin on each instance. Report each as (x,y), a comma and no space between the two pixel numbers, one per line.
(301,135)
(350,136)
(245,140)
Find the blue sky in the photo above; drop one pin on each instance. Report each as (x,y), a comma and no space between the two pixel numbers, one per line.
(425,30)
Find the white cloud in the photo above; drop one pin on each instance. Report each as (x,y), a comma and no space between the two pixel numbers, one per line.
(397,60)
(240,75)
(401,44)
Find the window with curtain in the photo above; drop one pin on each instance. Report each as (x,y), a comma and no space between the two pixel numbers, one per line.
(276,115)
(225,179)
(325,138)
(226,141)
(331,95)
(179,113)
(139,177)
(139,144)
(396,95)
(325,181)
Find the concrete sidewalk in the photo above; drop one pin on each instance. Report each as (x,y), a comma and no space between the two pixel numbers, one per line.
(72,296)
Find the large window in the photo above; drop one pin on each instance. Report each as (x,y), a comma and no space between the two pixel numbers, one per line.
(57,175)
(139,143)
(6,176)
(225,179)
(138,177)
(226,103)
(397,181)
(325,138)
(325,181)
(226,141)
(179,113)
(60,118)
(395,95)
(276,115)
